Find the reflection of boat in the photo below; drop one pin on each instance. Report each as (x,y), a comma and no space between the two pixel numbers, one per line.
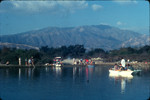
(58,64)
(123,79)
(58,70)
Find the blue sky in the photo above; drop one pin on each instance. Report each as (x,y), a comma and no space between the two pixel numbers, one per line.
(22,16)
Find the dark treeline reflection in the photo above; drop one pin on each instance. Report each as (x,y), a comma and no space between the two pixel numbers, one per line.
(19,72)
(75,73)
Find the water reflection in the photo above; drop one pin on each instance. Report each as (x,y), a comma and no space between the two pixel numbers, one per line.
(74,72)
(7,72)
(122,79)
(82,73)
(89,72)
(27,72)
(77,73)
(30,72)
(57,70)
(75,83)
(19,73)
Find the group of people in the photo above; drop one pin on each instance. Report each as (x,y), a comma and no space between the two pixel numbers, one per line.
(28,62)
(82,62)
(123,66)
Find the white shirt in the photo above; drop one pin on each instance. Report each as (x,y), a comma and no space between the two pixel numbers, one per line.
(123,62)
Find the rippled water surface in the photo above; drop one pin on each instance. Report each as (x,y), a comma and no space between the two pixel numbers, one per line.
(71,83)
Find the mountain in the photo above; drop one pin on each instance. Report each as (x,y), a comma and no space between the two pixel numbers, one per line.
(93,36)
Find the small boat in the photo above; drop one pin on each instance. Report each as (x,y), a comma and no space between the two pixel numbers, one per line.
(126,76)
(120,72)
(123,72)
(90,66)
(57,61)
(135,72)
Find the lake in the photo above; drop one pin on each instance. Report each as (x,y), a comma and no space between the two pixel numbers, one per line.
(72,83)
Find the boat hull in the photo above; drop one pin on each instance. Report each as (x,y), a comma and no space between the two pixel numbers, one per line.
(90,66)
(123,73)
(120,76)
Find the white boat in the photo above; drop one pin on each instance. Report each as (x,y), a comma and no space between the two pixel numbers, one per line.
(57,61)
(120,72)
(128,76)
(123,72)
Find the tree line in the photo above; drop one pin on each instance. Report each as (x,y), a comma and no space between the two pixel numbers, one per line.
(46,54)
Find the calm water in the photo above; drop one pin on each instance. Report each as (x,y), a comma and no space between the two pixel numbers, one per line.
(71,83)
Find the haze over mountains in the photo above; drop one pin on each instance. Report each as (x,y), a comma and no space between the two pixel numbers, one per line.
(93,36)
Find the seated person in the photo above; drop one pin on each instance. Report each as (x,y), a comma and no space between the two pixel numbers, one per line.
(116,67)
(130,67)
(121,67)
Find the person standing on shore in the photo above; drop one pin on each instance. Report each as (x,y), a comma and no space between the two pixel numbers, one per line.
(19,61)
(29,62)
(7,63)
(26,61)
(123,63)
(32,61)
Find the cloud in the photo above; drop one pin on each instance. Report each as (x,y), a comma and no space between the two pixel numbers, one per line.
(103,23)
(126,1)
(72,6)
(96,7)
(32,6)
(119,23)
(26,6)
(40,6)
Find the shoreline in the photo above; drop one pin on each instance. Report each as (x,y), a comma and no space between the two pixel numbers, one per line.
(135,65)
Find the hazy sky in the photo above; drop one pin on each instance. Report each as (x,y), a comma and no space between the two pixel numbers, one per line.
(22,16)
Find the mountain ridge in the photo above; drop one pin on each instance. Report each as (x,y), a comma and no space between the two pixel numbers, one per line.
(91,36)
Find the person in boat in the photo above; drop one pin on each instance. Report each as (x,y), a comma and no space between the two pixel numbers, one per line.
(123,63)
(116,67)
(120,67)
(130,67)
